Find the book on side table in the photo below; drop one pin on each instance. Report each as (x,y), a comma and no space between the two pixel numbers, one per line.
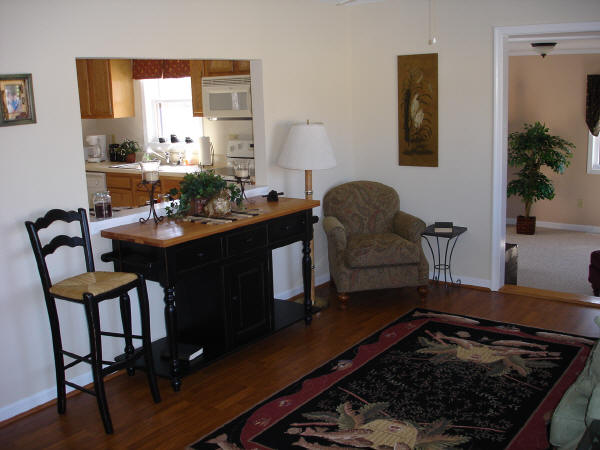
(443,227)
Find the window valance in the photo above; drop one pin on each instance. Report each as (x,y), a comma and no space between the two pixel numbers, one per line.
(160,68)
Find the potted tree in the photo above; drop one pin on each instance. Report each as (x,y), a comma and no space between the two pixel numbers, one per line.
(204,193)
(530,150)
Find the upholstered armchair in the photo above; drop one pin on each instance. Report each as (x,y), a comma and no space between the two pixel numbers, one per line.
(372,244)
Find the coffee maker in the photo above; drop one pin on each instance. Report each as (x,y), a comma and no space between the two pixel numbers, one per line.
(96,149)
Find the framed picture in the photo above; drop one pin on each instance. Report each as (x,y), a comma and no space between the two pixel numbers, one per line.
(16,100)
(418,110)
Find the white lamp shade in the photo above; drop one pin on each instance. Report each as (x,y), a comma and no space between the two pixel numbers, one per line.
(307,147)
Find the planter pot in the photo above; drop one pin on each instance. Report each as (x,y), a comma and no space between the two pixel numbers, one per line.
(197,206)
(130,158)
(525,225)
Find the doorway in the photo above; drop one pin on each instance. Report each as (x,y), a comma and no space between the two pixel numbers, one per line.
(503,37)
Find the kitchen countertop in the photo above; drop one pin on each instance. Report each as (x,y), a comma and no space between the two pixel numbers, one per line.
(165,170)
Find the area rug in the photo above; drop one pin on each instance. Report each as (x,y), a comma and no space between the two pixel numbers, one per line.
(427,381)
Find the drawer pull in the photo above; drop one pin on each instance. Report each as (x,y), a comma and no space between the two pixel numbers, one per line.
(249,240)
(287,228)
(234,298)
(200,255)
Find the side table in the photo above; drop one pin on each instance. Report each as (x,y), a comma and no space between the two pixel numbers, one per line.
(446,266)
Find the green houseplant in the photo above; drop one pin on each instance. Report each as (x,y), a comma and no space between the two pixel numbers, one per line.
(201,192)
(531,150)
(127,149)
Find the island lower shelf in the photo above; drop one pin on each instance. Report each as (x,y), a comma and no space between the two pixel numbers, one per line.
(286,313)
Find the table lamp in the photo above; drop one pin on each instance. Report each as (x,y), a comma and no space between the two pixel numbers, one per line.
(307,148)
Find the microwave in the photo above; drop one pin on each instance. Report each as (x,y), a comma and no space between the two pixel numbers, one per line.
(227,97)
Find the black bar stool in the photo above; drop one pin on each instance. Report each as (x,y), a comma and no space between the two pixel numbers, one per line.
(91,288)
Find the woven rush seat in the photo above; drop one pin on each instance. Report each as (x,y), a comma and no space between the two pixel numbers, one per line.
(95,283)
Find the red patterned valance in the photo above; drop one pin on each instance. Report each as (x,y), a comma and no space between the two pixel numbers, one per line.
(176,68)
(160,68)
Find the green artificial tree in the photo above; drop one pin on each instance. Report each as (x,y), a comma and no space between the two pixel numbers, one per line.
(531,150)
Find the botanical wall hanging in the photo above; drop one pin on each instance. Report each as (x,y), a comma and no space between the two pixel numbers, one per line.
(418,110)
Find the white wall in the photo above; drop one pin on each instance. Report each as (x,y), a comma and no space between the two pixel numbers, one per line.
(302,46)
(459,189)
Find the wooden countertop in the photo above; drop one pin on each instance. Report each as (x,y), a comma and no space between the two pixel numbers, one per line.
(172,232)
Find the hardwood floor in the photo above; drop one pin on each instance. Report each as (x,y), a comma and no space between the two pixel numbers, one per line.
(228,387)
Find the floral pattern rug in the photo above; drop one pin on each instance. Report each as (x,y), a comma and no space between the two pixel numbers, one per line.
(428,381)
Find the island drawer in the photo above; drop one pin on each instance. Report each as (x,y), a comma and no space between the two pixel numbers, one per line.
(197,253)
(244,241)
(285,227)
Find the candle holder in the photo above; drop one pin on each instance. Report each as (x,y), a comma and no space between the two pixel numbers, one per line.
(150,180)
(242,182)
(150,186)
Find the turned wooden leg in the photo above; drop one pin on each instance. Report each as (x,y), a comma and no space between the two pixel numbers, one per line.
(423,291)
(343,298)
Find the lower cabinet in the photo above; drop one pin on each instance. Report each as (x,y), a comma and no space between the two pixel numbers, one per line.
(247,293)
(220,307)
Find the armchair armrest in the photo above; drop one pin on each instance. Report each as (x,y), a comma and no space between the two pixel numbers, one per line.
(335,231)
(408,226)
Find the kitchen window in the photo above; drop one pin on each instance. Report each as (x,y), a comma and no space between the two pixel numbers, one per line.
(168,110)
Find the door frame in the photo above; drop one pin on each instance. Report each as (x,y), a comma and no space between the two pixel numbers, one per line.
(500,130)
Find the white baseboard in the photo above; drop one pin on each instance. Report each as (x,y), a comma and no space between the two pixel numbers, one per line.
(25,404)
(284,295)
(560,226)
(465,280)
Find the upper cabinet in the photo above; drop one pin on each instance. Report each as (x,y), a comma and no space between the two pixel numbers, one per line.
(210,68)
(218,67)
(196,73)
(105,88)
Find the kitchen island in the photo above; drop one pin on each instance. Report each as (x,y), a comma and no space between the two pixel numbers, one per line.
(217,279)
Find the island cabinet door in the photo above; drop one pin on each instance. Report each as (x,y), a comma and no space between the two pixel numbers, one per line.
(201,316)
(250,305)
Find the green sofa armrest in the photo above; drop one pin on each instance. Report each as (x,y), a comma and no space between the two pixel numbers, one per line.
(335,231)
(408,226)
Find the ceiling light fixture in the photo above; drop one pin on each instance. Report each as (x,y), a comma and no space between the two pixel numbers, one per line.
(432,36)
(543,48)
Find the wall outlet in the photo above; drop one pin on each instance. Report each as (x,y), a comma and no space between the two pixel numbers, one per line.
(580,203)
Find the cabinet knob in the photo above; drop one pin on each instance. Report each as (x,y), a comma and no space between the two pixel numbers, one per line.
(200,255)
(249,240)
(234,298)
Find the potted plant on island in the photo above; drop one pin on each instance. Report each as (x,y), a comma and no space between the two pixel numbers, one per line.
(204,193)
(532,149)
(127,150)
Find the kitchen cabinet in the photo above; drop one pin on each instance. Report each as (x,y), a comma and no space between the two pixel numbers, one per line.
(220,67)
(196,73)
(122,188)
(166,184)
(105,88)
(126,189)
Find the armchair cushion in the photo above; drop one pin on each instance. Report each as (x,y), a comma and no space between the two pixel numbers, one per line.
(380,249)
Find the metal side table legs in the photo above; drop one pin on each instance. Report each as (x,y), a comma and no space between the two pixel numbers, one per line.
(446,266)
